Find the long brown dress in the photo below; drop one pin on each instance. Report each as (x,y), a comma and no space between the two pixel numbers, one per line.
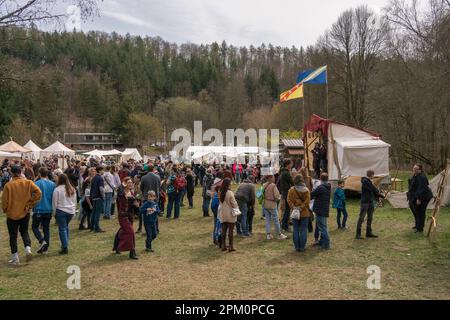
(125,240)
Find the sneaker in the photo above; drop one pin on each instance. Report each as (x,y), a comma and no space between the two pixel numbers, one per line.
(14,259)
(282,237)
(42,247)
(28,254)
(269,237)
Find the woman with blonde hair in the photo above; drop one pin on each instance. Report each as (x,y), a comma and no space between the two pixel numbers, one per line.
(226,214)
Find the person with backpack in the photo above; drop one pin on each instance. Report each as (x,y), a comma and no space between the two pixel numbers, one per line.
(207,183)
(245,197)
(419,195)
(174,191)
(270,198)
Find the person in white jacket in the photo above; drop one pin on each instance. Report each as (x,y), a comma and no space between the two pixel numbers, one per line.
(64,206)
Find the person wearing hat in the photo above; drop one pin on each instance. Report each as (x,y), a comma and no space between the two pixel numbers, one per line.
(19,196)
(208,181)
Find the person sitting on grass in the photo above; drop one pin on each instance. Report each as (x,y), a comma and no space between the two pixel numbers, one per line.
(149,211)
(339,204)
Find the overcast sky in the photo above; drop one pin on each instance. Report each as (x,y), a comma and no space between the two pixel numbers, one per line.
(238,22)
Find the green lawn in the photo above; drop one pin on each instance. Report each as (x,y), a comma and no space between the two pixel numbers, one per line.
(186,265)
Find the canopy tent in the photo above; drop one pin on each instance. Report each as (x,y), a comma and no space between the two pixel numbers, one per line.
(9,155)
(35,150)
(131,153)
(103,153)
(351,151)
(398,199)
(57,149)
(13,147)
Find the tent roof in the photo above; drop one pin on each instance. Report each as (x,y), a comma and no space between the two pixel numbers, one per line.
(58,147)
(316,123)
(12,146)
(9,155)
(362,143)
(133,153)
(32,146)
(101,153)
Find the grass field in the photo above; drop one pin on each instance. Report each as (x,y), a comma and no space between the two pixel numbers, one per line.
(186,265)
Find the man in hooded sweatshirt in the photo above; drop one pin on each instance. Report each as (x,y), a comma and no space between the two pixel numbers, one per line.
(321,208)
(369,194)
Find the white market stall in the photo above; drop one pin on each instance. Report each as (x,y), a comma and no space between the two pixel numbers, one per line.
(9,155)
(13,147)
(131,154)
(35,150)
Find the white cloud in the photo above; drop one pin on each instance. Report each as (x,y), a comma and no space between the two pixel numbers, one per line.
(129,19)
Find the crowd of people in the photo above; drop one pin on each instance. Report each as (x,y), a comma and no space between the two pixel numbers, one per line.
(291,201)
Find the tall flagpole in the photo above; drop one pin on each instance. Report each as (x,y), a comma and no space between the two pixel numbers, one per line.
(326,88)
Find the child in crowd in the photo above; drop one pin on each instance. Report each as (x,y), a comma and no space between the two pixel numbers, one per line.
(339,204)
(149,212)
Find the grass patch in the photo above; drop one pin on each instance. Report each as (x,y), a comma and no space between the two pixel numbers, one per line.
(186,265)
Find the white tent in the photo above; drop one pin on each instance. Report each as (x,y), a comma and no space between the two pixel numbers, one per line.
(351,152)
(103,153)
(35,150)
(9,155)
(398,199)
(57,149)
(131,153)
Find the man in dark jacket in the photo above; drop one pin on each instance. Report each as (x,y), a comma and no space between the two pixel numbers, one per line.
(245,197)
(150,182)
(321,208)
(369,194)
(285,182)
(419,195)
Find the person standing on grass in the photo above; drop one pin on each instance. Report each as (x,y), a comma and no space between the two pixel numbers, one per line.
(225,214)
(321,208)
(339,205)
(298,198)
(245,197)
(42,213)
(369,194)
(98,199)
(18,197)
(419,195)
(215,208)
(190,186)
(126,204)
(149,211)
(109,192)
(207,183)
(64,206)
(150,182)
(174,196)
(270,207)
(86,202)
(285,184)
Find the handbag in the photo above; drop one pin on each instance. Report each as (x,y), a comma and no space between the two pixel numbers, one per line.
(235,212)
(295,214)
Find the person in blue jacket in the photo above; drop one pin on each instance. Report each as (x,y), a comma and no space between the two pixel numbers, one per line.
(42,212)
(339,205)
(149,211)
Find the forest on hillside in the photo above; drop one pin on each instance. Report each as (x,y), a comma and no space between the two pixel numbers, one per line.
(389,73)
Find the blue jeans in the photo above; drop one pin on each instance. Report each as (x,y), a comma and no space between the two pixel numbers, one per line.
(43,220)
(98,206)
(242,224)
(237,177)
(174,199)
(272,216)
(300,233)
(286,214)
(63,220)
(324,241)
(215,232)
(205,206)
(151,231)
(344,219)
(108,203)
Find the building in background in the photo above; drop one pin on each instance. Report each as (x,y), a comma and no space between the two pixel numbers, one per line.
(90,141)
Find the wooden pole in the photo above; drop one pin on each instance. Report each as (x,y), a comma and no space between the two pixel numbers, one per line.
(326,89)
(437,201)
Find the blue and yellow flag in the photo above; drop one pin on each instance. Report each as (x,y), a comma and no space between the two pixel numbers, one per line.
(313,76)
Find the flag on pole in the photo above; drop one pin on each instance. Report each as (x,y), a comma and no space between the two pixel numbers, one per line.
(295,93)
(313,76)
